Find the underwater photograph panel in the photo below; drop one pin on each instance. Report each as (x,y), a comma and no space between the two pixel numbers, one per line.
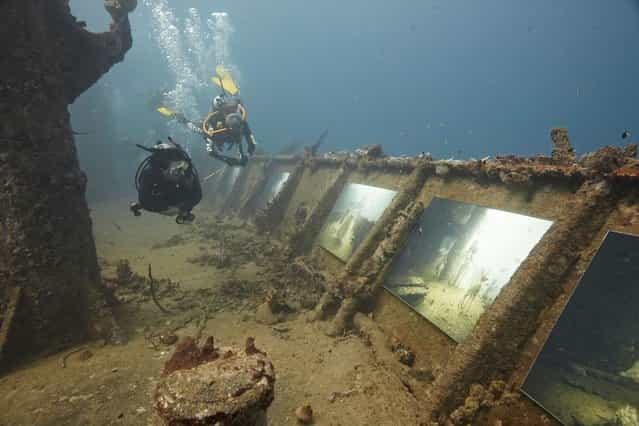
(457,260)
(273,186)
(229,177)
(587,373)
(354,214)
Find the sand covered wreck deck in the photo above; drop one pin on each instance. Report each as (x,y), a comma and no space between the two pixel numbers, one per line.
(584,199)
(258,268)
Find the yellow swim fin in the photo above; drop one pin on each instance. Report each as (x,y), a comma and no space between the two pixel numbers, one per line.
(165,112)
(225,80)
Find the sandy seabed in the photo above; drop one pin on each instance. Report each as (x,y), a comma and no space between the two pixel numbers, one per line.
(114,384)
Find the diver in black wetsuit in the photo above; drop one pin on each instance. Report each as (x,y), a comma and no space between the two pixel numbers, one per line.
(224,127)
(167,182)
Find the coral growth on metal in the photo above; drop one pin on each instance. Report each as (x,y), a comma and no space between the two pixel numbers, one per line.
(215,385)
(609,162)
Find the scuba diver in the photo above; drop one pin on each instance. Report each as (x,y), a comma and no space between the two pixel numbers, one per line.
(226,124)
(167,182)
(224,127)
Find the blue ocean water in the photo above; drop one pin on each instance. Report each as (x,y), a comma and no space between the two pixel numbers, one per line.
(456,78)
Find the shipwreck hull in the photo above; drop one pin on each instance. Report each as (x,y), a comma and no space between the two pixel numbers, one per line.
(583,199)
(46,242)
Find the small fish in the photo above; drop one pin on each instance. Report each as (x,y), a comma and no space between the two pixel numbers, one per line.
(420,230)
(117,226)
(626,134)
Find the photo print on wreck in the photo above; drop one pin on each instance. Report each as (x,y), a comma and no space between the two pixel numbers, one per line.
(273,186)
(457,260)
(354,214)
(228,179)
(587,372)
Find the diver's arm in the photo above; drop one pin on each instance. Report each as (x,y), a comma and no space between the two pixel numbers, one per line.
(195,127)
(191,125)
(242,156)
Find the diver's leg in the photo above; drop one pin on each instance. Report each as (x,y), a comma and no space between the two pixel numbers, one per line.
(243,157)
(228,160)
(250,139)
